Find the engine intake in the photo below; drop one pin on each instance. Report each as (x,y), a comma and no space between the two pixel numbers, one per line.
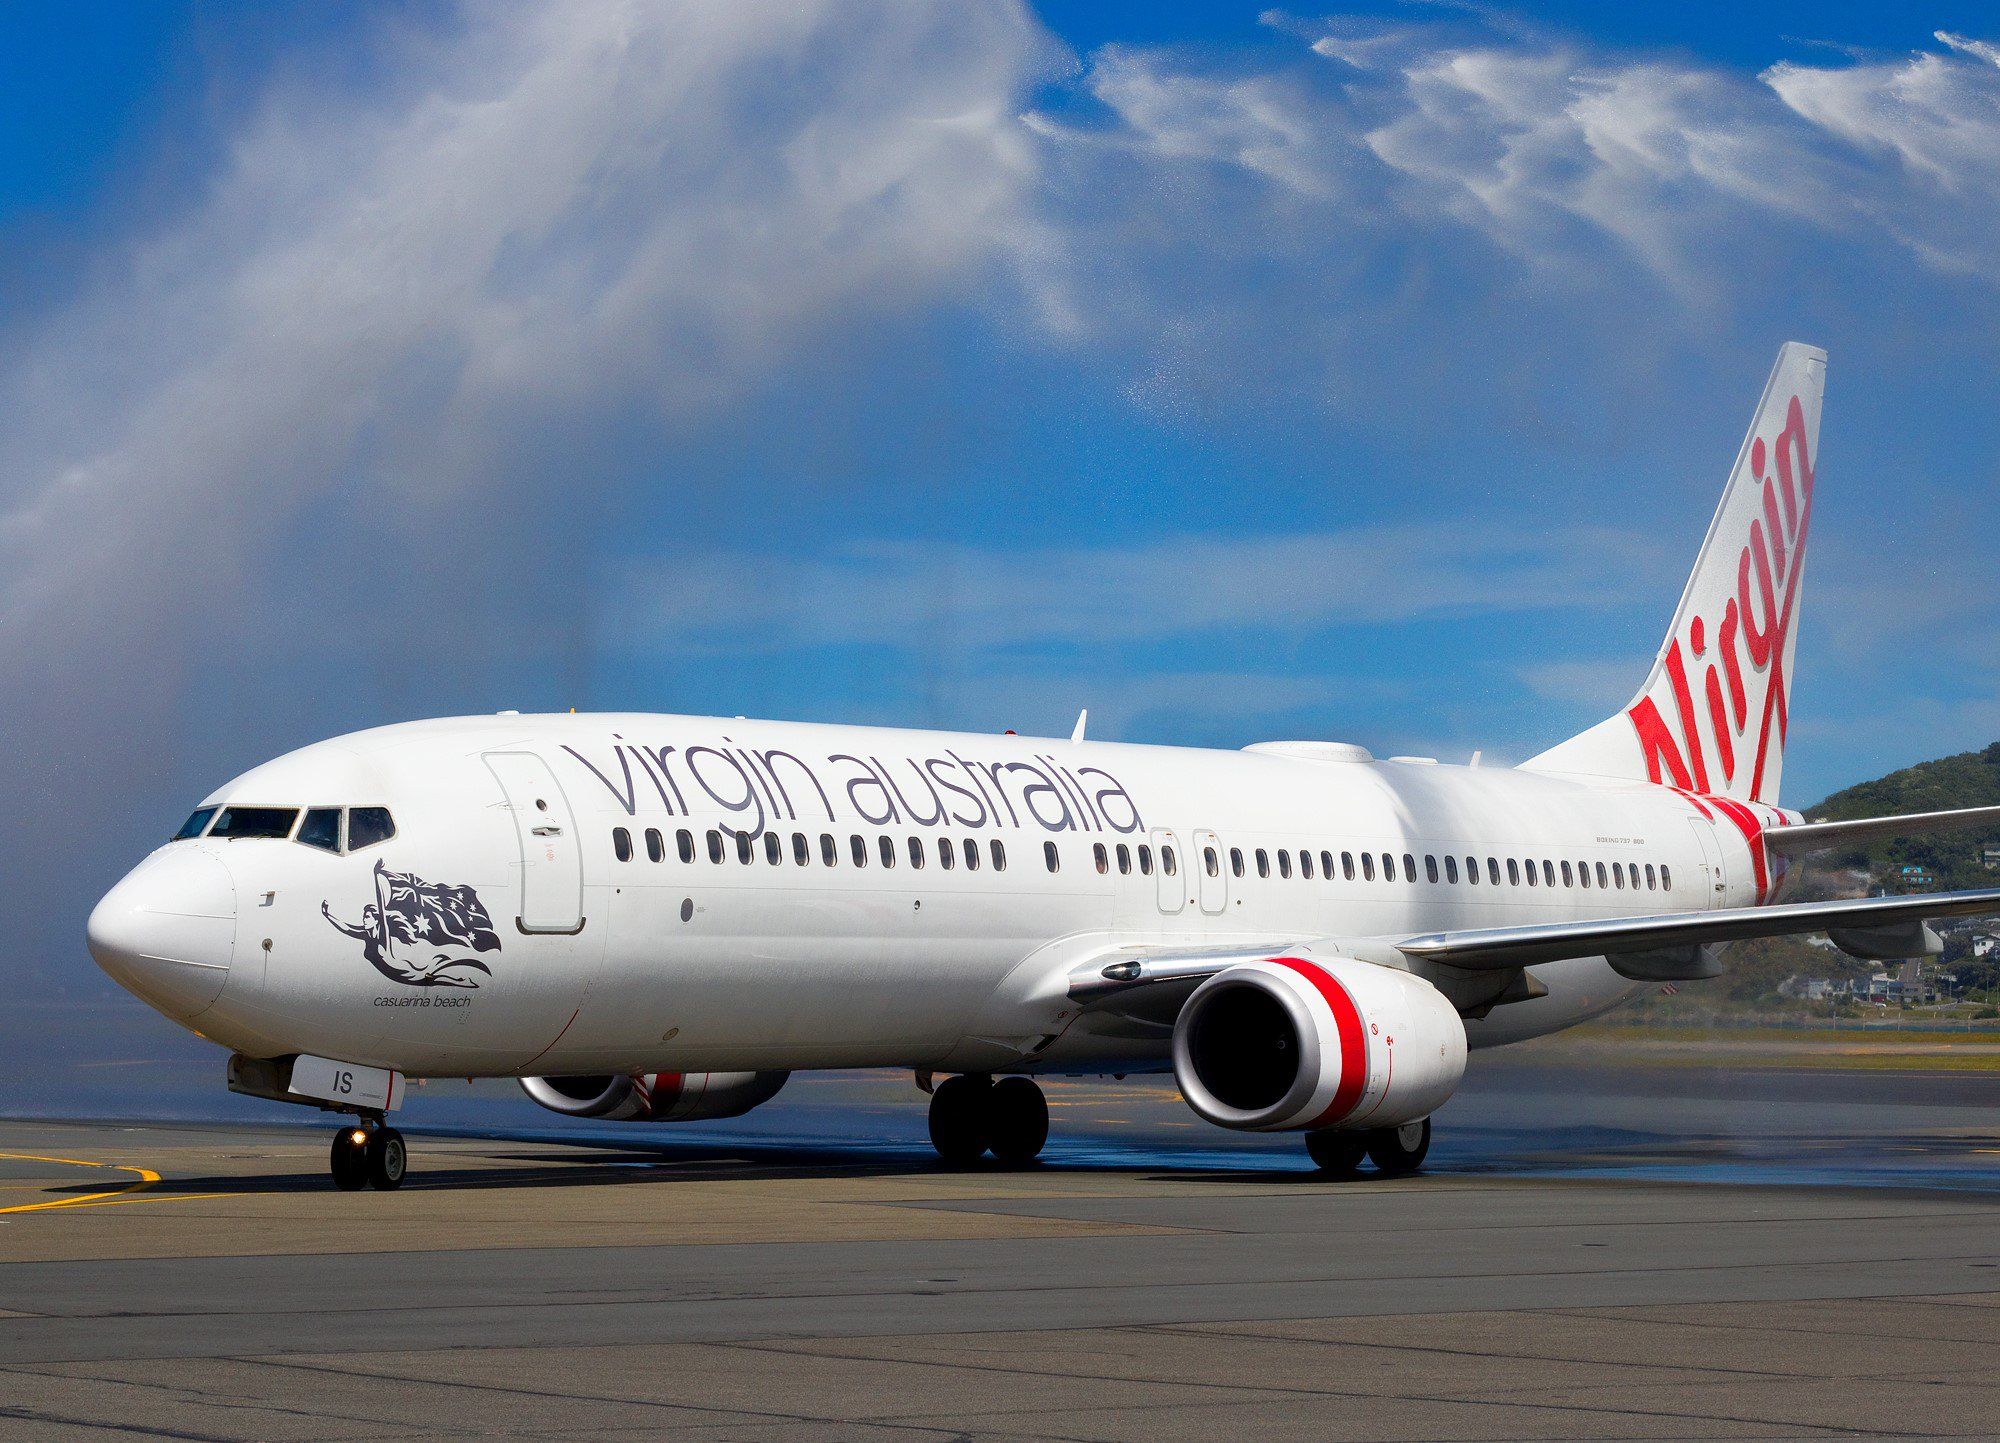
(1294,1042)
(656,1096)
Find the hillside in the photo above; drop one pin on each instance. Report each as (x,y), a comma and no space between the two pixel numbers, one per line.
(1970,779)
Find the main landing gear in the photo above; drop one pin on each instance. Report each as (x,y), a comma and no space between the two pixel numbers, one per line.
(973,1114)
(1395,1151)
(369,1154)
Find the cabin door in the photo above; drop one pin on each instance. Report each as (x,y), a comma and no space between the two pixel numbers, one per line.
(551,890)
(1171,870)
(1205,864)
(1711,860)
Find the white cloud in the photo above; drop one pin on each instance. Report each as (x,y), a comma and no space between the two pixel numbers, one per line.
(403,295)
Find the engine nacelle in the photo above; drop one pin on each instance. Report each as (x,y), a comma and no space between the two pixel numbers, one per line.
(656,1096)
(1299,1043)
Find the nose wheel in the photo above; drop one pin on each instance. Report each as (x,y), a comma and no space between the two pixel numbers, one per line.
(369,1156)
(972,1115)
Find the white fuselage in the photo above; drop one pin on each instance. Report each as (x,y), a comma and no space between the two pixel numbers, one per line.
(603,965)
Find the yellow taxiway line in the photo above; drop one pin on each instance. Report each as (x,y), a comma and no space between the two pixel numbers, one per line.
(147,1177)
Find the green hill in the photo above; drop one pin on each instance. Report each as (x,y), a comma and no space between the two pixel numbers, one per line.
(1970,779)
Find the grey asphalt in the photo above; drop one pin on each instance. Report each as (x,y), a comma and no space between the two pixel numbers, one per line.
(1738,1286)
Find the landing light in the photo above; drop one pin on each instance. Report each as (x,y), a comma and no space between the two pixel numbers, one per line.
(358,1136)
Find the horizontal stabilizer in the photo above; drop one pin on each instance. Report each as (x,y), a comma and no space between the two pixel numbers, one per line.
(1491,948)
(1825,836)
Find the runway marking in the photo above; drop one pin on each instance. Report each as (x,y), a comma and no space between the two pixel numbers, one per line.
(147,1177)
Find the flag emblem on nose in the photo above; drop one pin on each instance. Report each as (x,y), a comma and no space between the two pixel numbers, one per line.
(410,917)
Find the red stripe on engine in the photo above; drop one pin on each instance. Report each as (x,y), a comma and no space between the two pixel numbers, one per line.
(1347,1027)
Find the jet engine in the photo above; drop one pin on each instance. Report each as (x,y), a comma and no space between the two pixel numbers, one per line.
(656,1096)
(1298,1043)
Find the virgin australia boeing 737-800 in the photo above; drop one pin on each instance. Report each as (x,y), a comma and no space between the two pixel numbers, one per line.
(661,917)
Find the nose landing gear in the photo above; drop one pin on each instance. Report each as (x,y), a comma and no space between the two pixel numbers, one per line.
(971,1115)
(369,1154)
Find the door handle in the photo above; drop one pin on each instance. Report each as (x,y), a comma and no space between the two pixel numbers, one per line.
(548,831)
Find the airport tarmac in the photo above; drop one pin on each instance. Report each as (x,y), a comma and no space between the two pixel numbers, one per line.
(1669,1254)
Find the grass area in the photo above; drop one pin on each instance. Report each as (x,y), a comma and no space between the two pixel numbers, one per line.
(1986,1034)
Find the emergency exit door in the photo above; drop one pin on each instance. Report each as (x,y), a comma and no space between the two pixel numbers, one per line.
(551,889)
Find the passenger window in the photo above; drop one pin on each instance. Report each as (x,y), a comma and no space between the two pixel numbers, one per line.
(621,844)
(1409,867)
(1285,863)
(744,849)
(365,827)
(1602,882)
(1548,873)
(1347,865)
(1367,866)
(916,852)
(685,841)
(1666,878)
(1103,861)
(656,845)
(1493,870)
(1051,858)
(1210,863)
(272,822)
(1568,880)
(1306,863)
(857,845)
(1263,863)
(1451,870)
(1513,873)
(946,857)
(1472,871)
(1124,860)
(1583,875)
(829,850)
(1167,862)
(801,849)
(1388,867)
(887,847)
(193,826)
(999,852)
(971,850)
(1326,865)
(1145,860)
(1618,875)
(774,848)
(321,829)
(1430,868)
(1236,861)
(715,846)
(1652,883)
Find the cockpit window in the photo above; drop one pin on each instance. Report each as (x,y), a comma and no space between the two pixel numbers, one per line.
(368,825)
(239,822)
(321,829)
(195,825)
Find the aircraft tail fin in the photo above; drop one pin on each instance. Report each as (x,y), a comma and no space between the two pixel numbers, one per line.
(1712,715)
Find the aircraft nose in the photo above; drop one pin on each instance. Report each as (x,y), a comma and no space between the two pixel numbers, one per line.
(166,932)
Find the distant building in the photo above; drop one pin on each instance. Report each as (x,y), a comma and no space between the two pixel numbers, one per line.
(1989,858)
(1913,878)
(1908,985)
(1983,945)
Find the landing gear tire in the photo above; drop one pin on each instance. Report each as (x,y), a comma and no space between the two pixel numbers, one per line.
(1397,1151)
(350,1159)
(1337,1154)
(1017,1121)
(961,1119)
(387,1159)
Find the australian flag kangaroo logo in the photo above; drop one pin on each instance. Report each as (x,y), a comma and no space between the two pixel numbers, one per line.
(410,916)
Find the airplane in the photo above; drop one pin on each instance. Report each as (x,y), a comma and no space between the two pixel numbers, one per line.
(660,918)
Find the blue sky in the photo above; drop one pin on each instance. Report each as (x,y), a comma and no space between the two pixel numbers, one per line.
(1234,374)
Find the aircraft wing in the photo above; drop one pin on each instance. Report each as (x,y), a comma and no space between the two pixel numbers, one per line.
(1823,836)
(1166,976)
(1486,949)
